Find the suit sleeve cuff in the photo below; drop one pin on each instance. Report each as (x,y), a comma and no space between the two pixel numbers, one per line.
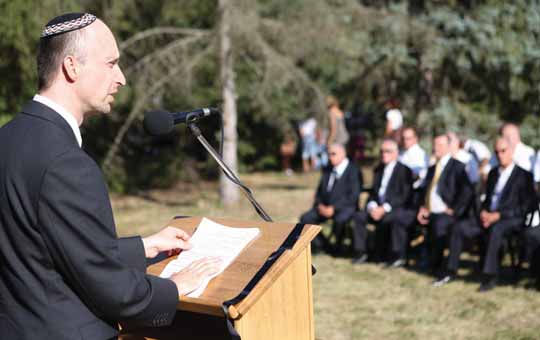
(387,207)
(132,252)
(164,301)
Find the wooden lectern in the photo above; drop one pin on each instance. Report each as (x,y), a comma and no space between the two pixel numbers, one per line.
(279,307)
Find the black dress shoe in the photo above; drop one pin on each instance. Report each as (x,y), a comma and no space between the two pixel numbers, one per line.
(359,259)
(487,285)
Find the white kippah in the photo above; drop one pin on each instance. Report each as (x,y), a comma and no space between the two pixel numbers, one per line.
(67,23)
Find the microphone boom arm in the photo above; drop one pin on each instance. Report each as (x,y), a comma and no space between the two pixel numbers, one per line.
(228,172)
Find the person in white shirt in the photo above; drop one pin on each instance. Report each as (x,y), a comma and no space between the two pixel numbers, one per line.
(413,156)
(307,130)
(394,123)
(479,150)
(465,157)
(524,155)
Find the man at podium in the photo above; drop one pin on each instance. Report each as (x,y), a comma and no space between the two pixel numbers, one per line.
(64,274)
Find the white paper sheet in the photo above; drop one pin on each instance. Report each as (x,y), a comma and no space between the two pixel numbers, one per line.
(212,239)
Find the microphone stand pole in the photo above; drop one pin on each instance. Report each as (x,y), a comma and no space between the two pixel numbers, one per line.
(230,174)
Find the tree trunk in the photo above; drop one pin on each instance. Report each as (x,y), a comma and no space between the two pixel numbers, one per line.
(228,190)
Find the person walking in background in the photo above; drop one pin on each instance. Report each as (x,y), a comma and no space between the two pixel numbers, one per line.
(307,130)
(337,133)
(287,150)
(394,124)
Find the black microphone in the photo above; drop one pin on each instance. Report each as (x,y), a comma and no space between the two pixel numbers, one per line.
(159,122)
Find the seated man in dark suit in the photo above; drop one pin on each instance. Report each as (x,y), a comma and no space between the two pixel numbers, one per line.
(445,197)
(387,208)
(336,197)
(509,197)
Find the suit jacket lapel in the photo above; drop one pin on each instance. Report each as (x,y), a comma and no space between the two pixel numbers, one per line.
(507,185)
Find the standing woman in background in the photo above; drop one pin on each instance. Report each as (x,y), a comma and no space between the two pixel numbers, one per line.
(338,132)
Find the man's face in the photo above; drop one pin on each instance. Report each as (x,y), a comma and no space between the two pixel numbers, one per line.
(336,155)
(389,152)
(441,146)
(409,139)
(504,152)
(100,75)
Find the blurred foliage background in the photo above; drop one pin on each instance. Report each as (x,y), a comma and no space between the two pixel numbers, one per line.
(456,64)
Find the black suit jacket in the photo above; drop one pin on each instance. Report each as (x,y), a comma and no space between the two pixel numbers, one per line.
(518,196)
(454,187)
(345,191)
(399,189)
(64,274)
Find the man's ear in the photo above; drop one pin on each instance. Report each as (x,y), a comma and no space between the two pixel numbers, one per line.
(71,68)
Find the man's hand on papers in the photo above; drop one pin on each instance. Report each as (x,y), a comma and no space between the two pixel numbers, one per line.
(192,276)
(169,239)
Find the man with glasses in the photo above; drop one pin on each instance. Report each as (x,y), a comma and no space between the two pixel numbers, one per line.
(336,197)
(509,197)
(387,208)
(445,197)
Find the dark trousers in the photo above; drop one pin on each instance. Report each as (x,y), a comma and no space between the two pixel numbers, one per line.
(438,231)
(340,219)
(531,239)
(463,230)
(495,236)
(390,233)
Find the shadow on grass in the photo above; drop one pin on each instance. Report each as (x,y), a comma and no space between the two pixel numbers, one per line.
(283,186)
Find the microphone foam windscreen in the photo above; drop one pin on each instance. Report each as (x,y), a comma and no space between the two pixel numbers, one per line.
(158,123)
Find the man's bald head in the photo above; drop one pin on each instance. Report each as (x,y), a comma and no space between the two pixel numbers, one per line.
(337,153)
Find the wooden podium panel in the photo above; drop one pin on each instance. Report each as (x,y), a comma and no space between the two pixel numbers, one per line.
(279,307)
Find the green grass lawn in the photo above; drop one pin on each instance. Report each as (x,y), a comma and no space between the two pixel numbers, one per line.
(353,302)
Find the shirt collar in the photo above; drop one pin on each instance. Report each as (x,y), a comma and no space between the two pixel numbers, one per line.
(390,166)
(444,160)
(340,168)
(68,117)
(507,170)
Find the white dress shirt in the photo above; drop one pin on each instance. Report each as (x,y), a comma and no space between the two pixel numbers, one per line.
(337,172)
(68,117)
(537,168)
(437,204)
(415,158)
(504,174)
(395,117)
(478,149)
(387,174)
